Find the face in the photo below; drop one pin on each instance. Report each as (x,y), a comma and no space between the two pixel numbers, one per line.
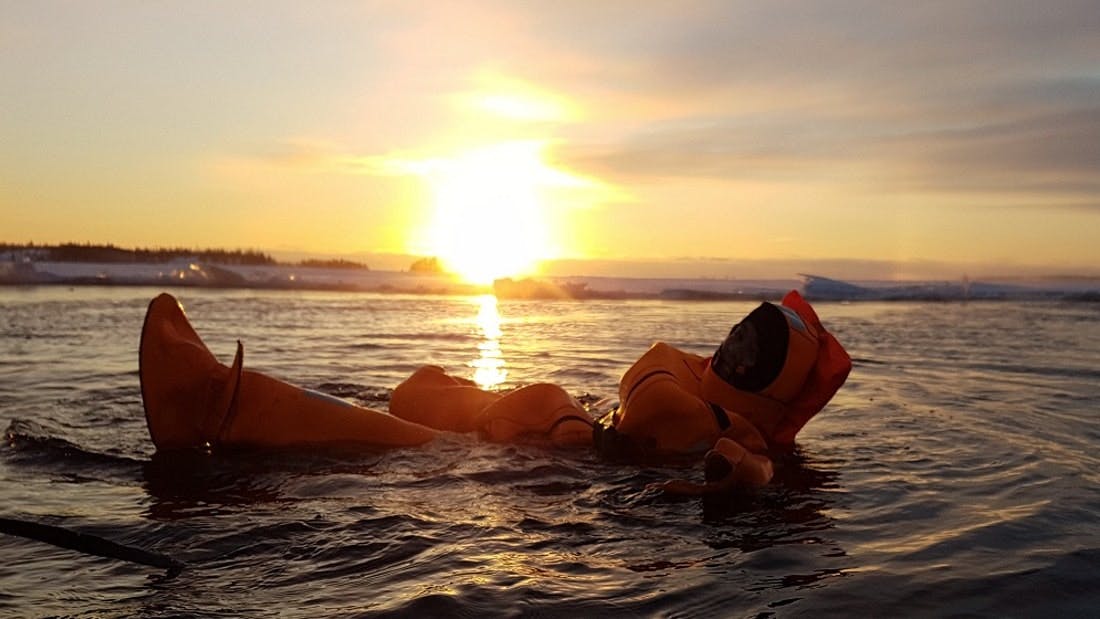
(742,347)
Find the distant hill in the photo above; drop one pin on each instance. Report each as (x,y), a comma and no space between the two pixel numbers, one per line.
(88,252)
(426,265)
(338,263)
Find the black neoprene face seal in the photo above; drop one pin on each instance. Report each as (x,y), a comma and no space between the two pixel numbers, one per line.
(753,354)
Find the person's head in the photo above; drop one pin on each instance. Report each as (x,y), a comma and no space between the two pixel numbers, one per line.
(769,353)
(761,366)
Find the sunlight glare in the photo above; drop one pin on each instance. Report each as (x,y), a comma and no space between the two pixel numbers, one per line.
(511,99)
(500,208)
(489,369)
(520,108)
(490,210)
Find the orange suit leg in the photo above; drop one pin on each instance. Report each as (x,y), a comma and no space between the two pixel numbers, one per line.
(272,413)
(193,401)
(433,398)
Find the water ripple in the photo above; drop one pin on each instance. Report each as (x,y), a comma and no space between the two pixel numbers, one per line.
(956,472)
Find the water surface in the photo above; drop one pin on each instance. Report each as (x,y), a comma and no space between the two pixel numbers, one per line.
(953,475)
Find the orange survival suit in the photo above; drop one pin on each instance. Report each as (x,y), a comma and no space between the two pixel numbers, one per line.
(774,372)
(192,401)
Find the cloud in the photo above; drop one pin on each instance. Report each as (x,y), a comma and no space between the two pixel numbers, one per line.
(695,47)
(302,155)
(977,96)
(940,96)
(722,148)
(1055,153)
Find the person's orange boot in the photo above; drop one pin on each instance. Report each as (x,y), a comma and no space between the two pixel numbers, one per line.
(186,392)
(193,401)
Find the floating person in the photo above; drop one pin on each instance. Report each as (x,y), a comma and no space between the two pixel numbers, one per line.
(192,401)
(772,373)
(775,370)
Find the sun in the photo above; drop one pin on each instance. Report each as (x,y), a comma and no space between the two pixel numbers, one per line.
(490,210)
(499,208)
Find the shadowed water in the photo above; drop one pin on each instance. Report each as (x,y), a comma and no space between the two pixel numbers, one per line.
(955,474)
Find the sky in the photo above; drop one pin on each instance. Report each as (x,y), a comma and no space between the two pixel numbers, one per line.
(716,138)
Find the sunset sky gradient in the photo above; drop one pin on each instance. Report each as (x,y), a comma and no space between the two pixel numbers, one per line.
(903,139)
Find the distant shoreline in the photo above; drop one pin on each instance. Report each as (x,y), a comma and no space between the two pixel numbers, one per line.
(309,277)
(851,269)
(112,254)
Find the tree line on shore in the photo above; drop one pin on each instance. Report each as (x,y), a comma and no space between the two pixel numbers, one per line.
(109,253)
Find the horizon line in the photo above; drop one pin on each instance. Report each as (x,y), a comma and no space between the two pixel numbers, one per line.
(682,267)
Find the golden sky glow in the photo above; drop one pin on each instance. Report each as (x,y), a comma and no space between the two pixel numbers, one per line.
(489,220)
(493,209)
(707,137)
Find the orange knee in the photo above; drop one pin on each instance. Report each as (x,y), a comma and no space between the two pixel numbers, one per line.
(433,398)
(539,410)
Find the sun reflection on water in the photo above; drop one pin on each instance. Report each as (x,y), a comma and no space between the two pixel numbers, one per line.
(489,369)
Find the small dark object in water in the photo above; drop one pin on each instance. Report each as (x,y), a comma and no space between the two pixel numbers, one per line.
(88,544)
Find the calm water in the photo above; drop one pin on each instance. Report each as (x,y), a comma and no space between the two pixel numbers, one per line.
(954,475)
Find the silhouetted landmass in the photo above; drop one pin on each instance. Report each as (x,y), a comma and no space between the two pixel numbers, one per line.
(426,265)
(88,252)
(338,263)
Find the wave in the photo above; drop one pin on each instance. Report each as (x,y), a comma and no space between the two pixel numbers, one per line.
(31,444)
